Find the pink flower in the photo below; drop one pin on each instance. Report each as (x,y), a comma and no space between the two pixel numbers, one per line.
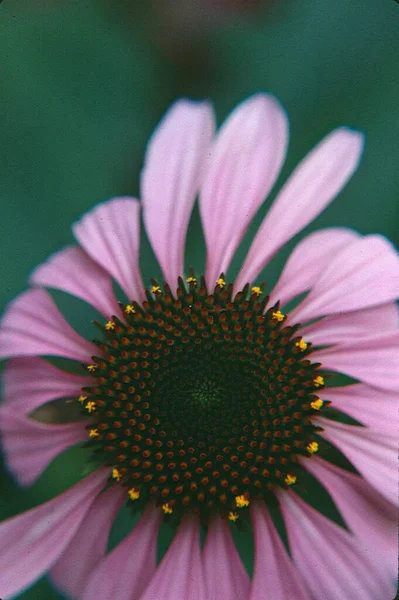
(206,404)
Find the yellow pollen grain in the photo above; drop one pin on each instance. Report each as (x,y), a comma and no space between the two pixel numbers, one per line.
(312,447)
(156,289)
(316,404)
(82,399)
(191,280)
(256,290)
(116,474)
(301,345)
(93,433)
(318,381)
(242,501)
(134,494)
(220,282)
(233,516)
(278,316)
(91,368)
(110,325)
(129,309)
(90,406)
(167,510)
(290,479)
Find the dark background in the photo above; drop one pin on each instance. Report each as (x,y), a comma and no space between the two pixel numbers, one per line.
(83,83)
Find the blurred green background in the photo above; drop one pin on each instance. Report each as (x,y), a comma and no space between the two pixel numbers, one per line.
(83,83)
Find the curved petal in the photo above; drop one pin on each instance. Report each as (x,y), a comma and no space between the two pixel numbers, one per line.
(347,326)
(309,259)
(126,571)
(180,574)
(364,274)
(329,558)
(312,186)
(31,542)
(72,570)
(374,454)
(224,572)
(33,325)
(243,166)
(275,576)
(72,270)
(110,234)
(367,514)
(377,409)
(170,180)
(31,382)
(30,445)
(373,360)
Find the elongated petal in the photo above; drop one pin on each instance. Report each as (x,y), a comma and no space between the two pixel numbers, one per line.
(329,558)
(126,571)
(308,261)
(87,548)
(348,326)
(110,234)
(377,409)
(366,513)
(225,574)
(180,574)
(31,542)
(374,454)
(275,576)
(72,270)
(30,382)
(170,180)
(373,360)
(33,325)
(30,446)
(364,274)
(310,189)
(244,163)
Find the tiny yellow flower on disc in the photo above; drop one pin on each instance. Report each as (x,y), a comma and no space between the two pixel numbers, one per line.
(312,447)
(191,280)
(316,404)
(116,474)
(156,289)
(318,381)
(278,316)
(167,509)
(110,325)
(82,399)
(301,345)
(93,433)
(91,368)
(241,501)
(233,516)
(290,479)
(256,290)
(134,494)
(90,406)
(129,309)
(220,282)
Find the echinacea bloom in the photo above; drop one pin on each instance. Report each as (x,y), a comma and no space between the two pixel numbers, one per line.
(207,402)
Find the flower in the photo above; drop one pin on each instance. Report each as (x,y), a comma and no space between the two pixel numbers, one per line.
(208,402)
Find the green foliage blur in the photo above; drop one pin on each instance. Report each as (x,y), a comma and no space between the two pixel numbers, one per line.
(82,85)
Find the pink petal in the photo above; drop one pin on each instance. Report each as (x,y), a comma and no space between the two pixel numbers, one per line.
(30,445)
(85,551)
(364,274)
(310,189)
(33,325)
(348,326)
(110,234)
(31,382)
(275,577)
(373,360)
(308,261)
(373,408)
(180,574)
(365,511)
(374,454)
(170,180)
(225,574)
(31,542)
(332,564)
(244,163)
(72,270)
(126,571)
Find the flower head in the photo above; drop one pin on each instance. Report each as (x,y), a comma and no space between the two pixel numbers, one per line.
(201,400)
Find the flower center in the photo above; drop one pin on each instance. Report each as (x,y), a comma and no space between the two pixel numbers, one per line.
(203,401)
